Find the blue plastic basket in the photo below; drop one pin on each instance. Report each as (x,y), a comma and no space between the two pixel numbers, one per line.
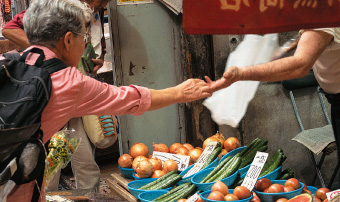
(135,185)
(151,195)
(232,153)
(188,179)
(275,196)
(275,174)
(205,195)
(198,177)
(139,178)
(312,189)
(127,172)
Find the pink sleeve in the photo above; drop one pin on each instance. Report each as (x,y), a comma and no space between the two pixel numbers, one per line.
(102,99)
(16,22)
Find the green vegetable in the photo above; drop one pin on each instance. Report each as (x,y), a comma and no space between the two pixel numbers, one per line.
(184,193)
(158,180)
(214,154)
(216,169)
(172,191)
(227,170)
(168,182)
(286,174)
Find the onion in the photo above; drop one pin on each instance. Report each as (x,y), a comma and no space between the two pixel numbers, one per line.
(174,147)
(137,160)
(157,174)
(170,165)
(223,152)
(220,138)
(182,151)
(160,148)
(125,161)
(194,155)
(188,146)
(210,139)
(144,169)
(156,163)
(139,149)
(231,143)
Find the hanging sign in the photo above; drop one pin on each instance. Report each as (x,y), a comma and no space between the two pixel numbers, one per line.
(258,16)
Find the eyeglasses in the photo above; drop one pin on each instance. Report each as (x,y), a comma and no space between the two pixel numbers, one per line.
(86,35)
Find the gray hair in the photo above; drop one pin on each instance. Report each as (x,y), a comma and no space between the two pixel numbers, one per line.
(47,21)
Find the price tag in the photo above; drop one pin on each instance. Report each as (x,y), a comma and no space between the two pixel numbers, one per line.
(192,198)
(255,170)
(333,196)
(181,160)
(202,159)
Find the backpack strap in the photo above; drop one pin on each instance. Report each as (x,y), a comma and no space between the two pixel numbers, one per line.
(40,59)
(53,65)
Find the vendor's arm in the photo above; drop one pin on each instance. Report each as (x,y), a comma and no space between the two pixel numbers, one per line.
(17,36)
(311,44)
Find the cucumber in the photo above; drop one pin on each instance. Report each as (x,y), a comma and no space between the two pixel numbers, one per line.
(223,169)
(212,156)
(247,159)
(168,182)
(216,169)
(278,161)
(255,145)
(272,159)
(183,194)
(158,180)
(286,174)
(174,190)
(230,169)
(251,144)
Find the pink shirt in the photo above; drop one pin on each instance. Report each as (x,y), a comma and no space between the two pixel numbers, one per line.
(75,95)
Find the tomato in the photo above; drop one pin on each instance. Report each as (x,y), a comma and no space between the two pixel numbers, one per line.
(275,188)
(321,193)
(293,182)
(216,195)
(288,188)
(255,198)
(305,186)
(242,192)
(182,200)
(199,199)
(263,184)
(221,187)
(282,200)
(231,197)
(317,199)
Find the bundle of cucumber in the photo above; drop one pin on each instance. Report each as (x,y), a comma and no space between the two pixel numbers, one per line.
(231,164)
(214,154)
(166,181)
(183,191)
(272,164)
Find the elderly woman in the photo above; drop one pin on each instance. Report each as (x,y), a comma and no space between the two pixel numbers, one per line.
(58,27)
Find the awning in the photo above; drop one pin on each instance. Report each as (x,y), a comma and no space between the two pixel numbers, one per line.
(258,16)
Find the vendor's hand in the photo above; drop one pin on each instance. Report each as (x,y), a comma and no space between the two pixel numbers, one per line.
(229,77)
(191,90)
(98,63)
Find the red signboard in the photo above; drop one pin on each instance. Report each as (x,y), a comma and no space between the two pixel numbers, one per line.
(258,16)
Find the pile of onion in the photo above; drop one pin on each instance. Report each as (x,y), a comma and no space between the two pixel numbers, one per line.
(157,174)
(139,149)
(188,146)
(195,154)
(125,161)
(210,139)
(231,143)
(144,169)
(170,165)
(137,160)
(174,147)
(160,147)
(156,163)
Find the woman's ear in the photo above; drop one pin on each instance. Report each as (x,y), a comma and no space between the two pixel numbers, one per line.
(68,40)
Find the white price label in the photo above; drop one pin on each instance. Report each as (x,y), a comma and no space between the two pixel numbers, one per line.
(192,198)
(255,170)
(202,159)
(333,196)
(181,160)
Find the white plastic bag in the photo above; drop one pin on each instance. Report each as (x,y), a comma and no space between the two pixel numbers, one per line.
(228,106)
